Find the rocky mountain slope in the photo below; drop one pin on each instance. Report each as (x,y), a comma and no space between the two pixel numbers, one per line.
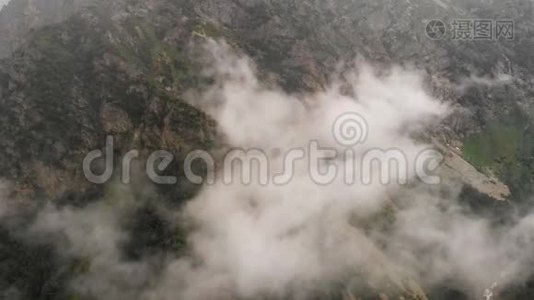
(298,49)
(19,18)
(75,72)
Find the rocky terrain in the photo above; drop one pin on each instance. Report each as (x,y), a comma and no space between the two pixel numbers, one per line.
(74,72)
(21,17)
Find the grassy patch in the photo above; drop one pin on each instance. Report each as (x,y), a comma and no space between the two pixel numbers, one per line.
(505,148)
(494,147)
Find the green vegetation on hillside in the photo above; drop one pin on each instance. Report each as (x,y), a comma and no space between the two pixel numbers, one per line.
(505,148)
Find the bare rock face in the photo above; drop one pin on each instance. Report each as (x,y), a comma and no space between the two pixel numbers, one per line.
(115,120)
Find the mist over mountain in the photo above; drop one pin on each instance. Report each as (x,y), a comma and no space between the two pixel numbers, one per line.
(443,90)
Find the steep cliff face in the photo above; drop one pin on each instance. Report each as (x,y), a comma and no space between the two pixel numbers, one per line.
(77,71)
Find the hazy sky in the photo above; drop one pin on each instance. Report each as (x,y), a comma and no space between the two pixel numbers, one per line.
(2,2)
